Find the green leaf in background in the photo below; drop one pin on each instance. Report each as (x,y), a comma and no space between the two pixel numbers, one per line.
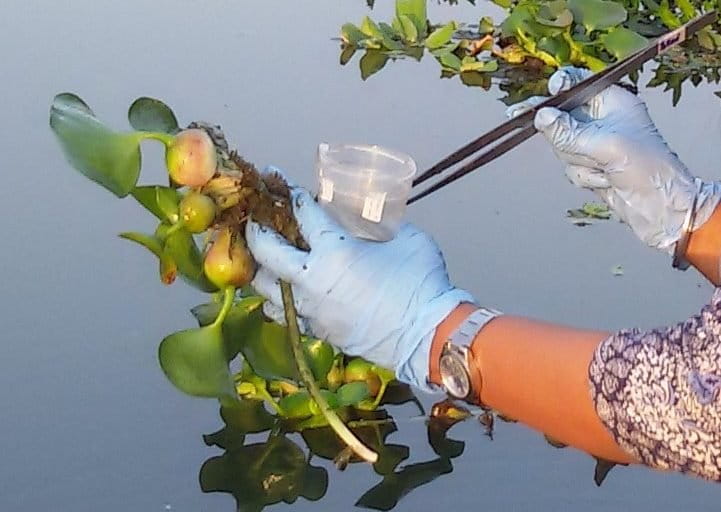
(667,16)
(486,25)
(351,34)
(441,36)
(157,199)
(687,9)
(372,62)
(370,28)
(557,47)
(597,14)
(388,31)
(555,14)
(194,361)
(416,11)
(152,115)
(352,393)
(450,61)
(410,31)
(109,158)
(622,42)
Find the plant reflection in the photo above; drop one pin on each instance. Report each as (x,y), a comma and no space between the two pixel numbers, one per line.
(267,460)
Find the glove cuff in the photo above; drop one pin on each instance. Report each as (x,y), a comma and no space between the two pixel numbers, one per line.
(412,365)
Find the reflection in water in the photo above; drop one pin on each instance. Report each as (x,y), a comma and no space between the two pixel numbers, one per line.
(276,465)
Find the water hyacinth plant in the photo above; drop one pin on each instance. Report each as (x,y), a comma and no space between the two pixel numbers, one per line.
(536,37)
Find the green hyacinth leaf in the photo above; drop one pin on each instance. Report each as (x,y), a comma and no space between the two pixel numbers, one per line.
(410,30)
(109,158)
(441,36)
(622,42)
(181,247)
(148,241)
(350,34)
(152,115)
(415,10)
(352,393)
(194,361)
(597,14)
(157,199)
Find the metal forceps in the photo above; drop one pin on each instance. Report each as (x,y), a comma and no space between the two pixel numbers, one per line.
(510,134)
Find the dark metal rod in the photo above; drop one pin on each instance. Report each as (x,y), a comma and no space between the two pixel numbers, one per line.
(484,158)
(566,100)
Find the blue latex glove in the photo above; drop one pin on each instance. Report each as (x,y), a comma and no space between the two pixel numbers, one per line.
(612,147)
(381,301)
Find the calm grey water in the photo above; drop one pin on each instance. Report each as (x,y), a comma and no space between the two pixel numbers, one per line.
(88,420)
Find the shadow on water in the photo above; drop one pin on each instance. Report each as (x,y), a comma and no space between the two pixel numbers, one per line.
(268,461)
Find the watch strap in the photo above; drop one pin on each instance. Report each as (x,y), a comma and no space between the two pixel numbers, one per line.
(463,336)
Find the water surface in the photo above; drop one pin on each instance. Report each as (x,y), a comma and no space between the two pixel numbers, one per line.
(89,421)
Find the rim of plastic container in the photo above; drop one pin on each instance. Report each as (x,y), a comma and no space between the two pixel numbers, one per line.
(325,150)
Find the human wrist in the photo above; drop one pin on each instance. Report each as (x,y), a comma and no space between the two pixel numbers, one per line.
(441,335)
(414,347)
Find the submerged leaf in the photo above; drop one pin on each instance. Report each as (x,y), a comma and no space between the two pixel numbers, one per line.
(109,158)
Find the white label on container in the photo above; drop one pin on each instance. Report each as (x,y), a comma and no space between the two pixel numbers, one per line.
(373,206)
(326,190)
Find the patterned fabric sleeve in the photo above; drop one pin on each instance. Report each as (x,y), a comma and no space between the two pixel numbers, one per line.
(658,392)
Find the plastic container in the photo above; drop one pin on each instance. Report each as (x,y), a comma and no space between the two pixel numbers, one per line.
(365,187)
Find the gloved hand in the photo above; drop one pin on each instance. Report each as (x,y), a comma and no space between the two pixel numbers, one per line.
(612,147)
(381,301)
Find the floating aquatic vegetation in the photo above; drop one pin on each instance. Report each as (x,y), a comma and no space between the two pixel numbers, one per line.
(535,38)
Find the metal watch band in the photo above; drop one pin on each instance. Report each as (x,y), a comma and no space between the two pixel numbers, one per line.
(467,330)
(461,338)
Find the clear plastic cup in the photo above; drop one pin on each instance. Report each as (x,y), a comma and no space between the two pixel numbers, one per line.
(365,187)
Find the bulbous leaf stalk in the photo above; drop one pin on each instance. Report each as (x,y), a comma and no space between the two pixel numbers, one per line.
(306,375)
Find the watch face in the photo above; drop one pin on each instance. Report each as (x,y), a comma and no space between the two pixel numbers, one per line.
(454,376)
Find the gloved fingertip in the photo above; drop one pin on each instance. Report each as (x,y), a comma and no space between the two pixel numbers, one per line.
(524,106)
(547,118)
(566,77)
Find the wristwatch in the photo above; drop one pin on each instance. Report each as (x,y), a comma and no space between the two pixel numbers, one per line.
(459,376)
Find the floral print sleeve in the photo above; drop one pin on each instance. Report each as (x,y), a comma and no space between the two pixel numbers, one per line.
(658,394)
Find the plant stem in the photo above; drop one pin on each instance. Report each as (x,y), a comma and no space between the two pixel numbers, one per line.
(291,318)
(165,138)
(228,297)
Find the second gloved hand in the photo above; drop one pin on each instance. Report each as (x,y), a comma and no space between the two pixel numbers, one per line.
(612,147)
(381,301)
